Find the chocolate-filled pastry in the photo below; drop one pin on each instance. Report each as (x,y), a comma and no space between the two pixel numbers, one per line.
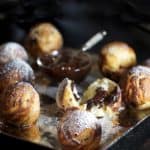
(20,105)
(79,130)
(15,71)
(115,59)
(10,51)
(43,38)
(102,97)
(31,133)
(136,87)
(67,95)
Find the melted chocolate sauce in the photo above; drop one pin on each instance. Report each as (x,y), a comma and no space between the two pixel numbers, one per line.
(103,97)
(67,64)
(98,99)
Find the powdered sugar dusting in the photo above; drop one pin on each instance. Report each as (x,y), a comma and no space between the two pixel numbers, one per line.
(11,50)
(138,70)
(76,121)
(20,66)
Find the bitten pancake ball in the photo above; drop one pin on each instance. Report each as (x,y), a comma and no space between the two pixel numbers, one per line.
(20,105)
(103,96)
(67,95)
(15,71)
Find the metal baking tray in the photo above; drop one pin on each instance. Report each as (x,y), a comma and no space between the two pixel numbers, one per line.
(45,138)
(44,134)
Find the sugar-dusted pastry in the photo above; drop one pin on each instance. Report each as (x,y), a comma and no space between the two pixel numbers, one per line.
(135,87)
(78,130)
(20,105)
(15,71)
(10,51)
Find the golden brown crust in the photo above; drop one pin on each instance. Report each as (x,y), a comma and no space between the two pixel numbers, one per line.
(136,85)
(15,71)
(115,59)
(79,130)
(10,51)
(43,38)
(20,105)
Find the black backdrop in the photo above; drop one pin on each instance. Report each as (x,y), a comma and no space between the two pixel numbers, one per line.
(78,20)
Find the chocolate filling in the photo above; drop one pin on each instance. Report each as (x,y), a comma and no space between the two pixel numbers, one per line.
(102,97)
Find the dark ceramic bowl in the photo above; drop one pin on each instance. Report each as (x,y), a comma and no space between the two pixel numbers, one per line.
(68,63)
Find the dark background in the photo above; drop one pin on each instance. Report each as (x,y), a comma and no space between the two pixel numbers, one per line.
(78,20)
